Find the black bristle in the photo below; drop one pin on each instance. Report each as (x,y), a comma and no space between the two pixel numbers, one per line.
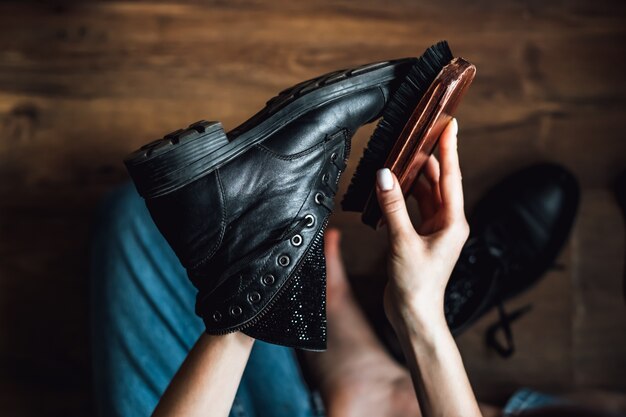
(394,117)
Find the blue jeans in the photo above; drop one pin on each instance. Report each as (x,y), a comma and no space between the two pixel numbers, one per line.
(143,324)
(525,399)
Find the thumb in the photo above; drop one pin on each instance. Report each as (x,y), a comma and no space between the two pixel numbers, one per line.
(392,204)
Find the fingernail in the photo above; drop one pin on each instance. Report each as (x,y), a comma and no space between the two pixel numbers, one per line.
(384,179)
(455,126)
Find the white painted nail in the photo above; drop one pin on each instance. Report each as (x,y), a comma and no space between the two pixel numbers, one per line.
(455,126)
(384,179)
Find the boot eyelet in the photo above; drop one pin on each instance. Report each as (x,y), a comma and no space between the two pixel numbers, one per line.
(235,311)
(268,279)
(284,260)
(310,220)
(217,316)
(319,197)
(333,156)
(254,297)
(325,178)
(296,240)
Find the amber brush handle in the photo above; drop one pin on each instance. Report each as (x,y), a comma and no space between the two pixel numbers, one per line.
(421,133)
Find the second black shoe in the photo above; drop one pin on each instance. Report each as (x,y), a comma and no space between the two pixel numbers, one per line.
(517,230)
(245,211)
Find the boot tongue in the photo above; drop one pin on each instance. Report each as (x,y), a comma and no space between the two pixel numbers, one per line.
(298,316)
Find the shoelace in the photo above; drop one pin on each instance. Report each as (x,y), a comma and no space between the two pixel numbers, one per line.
(478,247)
(505,319)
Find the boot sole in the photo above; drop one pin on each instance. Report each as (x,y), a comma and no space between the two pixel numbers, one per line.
(180,157)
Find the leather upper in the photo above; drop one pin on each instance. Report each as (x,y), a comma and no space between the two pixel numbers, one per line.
(242,230)
(517,231)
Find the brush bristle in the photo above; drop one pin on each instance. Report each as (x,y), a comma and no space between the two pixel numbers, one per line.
(394,117)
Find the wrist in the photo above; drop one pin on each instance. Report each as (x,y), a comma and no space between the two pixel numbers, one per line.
(417,319)
(421,335)
(234,342)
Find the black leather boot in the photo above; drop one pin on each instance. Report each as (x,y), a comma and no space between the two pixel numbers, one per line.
(245,211)
(517,231)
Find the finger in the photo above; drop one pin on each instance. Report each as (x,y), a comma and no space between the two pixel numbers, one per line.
(426,202)
(432,173)
(451,184)
(392,204)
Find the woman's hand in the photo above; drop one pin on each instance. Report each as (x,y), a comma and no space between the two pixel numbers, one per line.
(421,260)
(420,264)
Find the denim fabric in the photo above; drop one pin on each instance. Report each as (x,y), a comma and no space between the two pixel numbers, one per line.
(526,400)
(143,323)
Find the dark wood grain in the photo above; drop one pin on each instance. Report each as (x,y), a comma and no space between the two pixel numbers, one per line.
(81,85)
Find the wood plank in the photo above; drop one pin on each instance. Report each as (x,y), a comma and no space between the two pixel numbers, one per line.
(83,84)
(599,315)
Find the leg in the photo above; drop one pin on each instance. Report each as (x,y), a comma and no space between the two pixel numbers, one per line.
(144,324)
(275,383)
(356,376)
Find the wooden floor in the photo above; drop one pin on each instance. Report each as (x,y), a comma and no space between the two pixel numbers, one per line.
(82,85)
